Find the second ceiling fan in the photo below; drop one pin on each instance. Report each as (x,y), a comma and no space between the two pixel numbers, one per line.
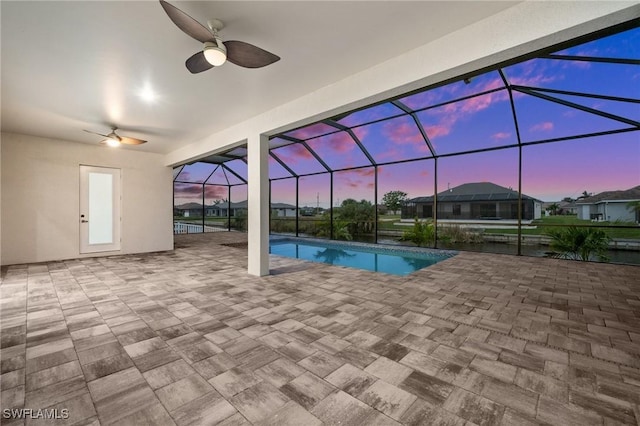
(215,52)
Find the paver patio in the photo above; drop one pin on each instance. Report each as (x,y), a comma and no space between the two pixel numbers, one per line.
(187,337)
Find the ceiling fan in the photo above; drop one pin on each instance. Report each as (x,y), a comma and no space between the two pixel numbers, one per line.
(215,52)
(113,139)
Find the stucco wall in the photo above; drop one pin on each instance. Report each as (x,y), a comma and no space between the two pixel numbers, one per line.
(617,211)
(40,196)
(584,212)
(537,213)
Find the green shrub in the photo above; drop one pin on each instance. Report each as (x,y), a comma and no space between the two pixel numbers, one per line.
(309,227)
(452,233)
(340,228)
(239,221)
(421,234)
(579,243)
(357,216)
(283,225)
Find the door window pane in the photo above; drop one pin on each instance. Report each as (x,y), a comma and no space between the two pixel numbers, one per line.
(100,208)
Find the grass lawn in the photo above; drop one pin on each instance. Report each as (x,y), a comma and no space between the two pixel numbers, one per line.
(388,222)
(613,229)
(389,217)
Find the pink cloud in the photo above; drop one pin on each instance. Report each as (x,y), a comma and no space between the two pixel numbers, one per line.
(215,192)
(368,171)
(185,189)
(337,142)
(448,115)
(438,130)
(292,153)
(351,183)
(476,104)
(478,85)
(492,84)
(483,102)
(448,108)
(357,184)
(194,192)
(402,133)
(545,126)
(311,131)
(451,91)
(532,73)
(501,135)
(355,179)
(361,132)
(298,150)
(340,142)
(577,64)
(533,81)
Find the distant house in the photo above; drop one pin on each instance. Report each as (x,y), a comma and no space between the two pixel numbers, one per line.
(610,206)
(278,209)
(564,207)
(480,200)
(188,210)
(214,210)
(220,209)
(567,207)
(283,210)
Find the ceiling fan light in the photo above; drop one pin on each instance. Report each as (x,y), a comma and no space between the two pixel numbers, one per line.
(215,53)
(112,142)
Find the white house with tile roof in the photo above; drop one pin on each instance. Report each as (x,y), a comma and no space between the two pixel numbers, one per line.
(610,206)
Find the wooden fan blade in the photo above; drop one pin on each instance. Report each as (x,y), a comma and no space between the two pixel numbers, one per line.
(131,141)
(186,23)
(198,63)
(94,133)
(247,55)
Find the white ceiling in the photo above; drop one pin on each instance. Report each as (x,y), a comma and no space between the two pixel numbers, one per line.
(69,66)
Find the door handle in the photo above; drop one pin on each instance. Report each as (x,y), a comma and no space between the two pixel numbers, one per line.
(84,221)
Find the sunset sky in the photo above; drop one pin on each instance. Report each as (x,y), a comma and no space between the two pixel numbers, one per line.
(550,171)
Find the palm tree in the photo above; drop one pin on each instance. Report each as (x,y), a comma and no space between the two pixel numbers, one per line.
(579,243)
(585,194)
(553,208)
(422,233)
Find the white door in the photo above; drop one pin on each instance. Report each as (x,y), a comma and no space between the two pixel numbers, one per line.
(99,209)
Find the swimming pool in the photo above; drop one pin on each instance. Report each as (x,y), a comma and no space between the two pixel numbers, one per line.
(397,261)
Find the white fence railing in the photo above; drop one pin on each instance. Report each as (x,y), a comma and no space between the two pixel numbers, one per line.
(192,228)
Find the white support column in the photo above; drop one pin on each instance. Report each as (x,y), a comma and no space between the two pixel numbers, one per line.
(258,204)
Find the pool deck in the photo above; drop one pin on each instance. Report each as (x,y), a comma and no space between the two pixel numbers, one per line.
(187,337)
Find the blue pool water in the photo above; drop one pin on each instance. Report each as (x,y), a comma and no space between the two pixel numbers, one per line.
(371,258)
